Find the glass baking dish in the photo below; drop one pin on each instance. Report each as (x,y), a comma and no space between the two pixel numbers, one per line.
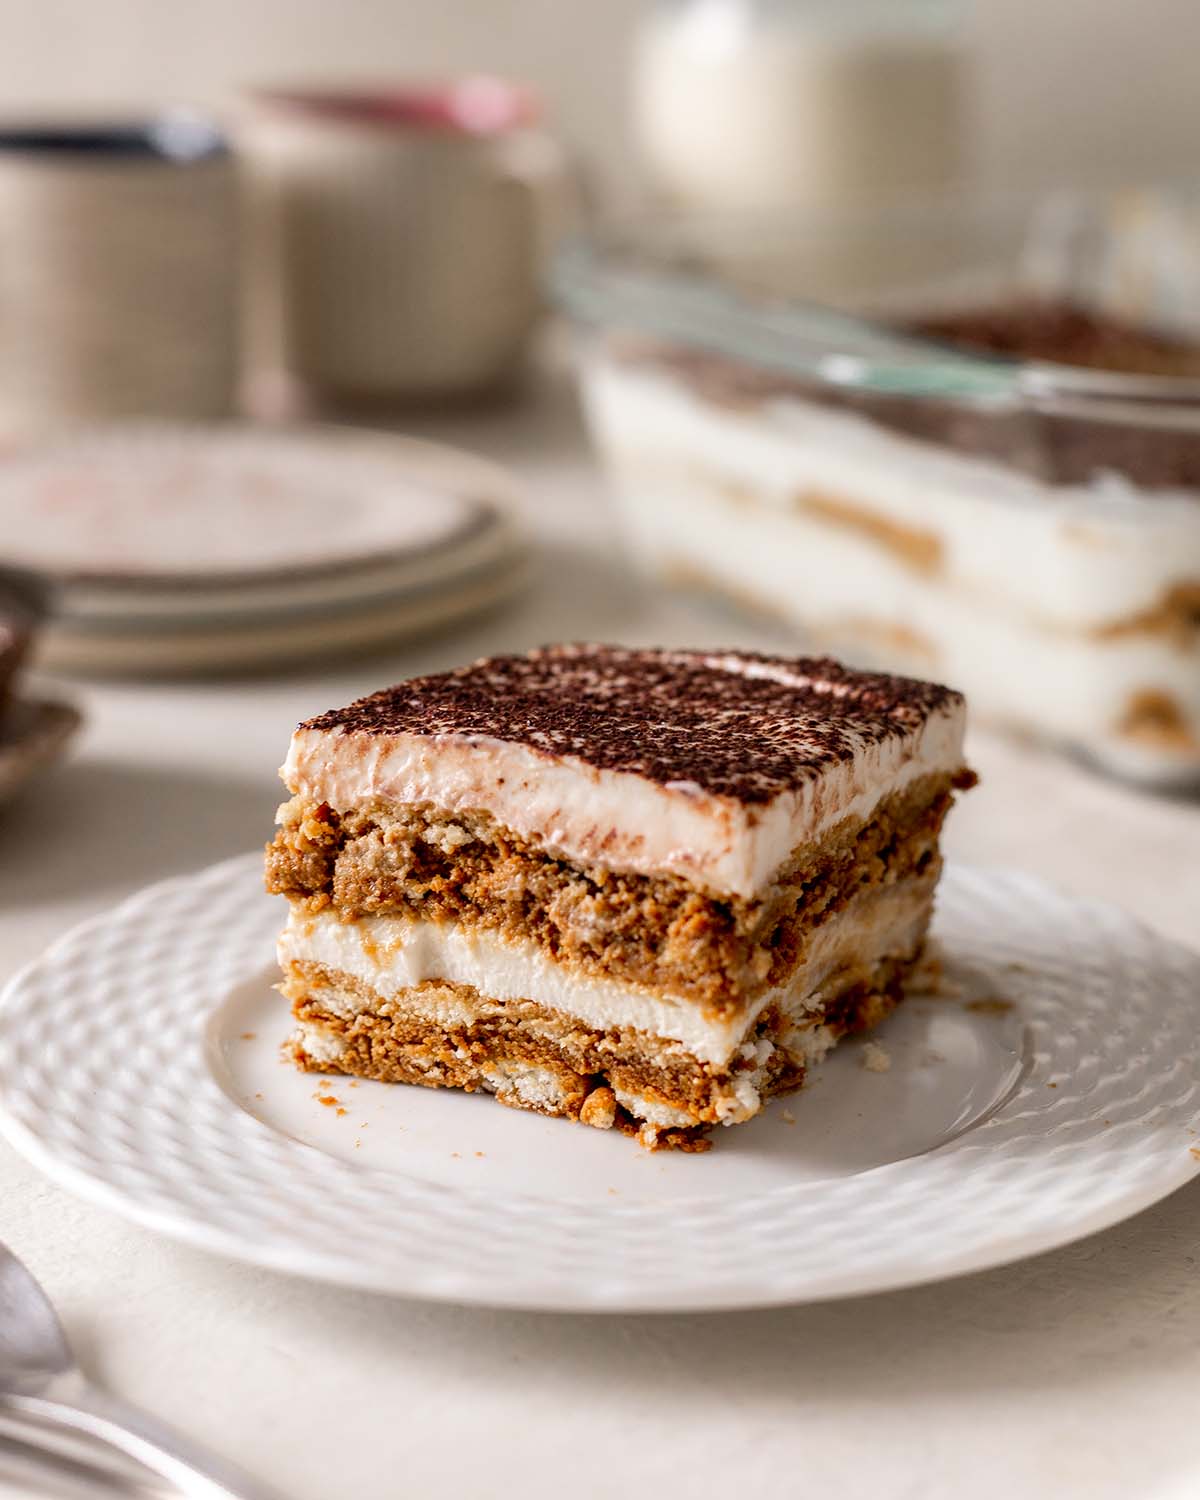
(961,439)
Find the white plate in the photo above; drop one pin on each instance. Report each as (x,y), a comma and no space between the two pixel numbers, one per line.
(1049,1090)
(176,546)
(137,507)
(277,636)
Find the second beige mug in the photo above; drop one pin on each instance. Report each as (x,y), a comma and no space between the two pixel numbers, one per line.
(399,236)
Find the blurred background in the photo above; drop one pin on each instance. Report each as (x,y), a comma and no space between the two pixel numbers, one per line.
(1059,88)
(297,312)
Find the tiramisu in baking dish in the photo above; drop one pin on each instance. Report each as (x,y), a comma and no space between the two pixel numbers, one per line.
(1001,491)
(642,889)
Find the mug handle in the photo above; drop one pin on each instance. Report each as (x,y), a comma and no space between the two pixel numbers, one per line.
(558,186)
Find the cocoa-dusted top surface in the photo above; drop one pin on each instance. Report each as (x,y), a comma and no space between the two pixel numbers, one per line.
(735,724)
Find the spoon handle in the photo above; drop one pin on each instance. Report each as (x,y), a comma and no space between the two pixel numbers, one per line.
(71,1458)
(194,1471)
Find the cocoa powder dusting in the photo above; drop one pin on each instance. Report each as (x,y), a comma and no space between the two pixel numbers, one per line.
(733,724)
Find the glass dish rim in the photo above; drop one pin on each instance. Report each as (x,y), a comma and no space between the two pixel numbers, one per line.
(613,275)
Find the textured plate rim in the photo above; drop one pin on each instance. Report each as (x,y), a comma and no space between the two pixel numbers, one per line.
(311,1263)
(332,1271)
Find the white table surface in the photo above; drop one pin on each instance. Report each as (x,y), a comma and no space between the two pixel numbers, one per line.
(1073,1375)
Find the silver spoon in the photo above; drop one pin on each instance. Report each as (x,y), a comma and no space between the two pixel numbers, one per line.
(31,1458)
(62,1456)
(39,1376)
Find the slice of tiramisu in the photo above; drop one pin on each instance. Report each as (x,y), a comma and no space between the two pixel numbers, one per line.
(635,888)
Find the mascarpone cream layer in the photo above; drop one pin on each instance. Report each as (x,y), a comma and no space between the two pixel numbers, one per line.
(616,819)
(391,954)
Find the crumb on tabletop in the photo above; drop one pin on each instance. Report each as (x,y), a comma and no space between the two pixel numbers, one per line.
(340,1110)
(249,1036)
(875,1058)
(787,1117)
(328,1100)
(480,1153)
(1194,1151)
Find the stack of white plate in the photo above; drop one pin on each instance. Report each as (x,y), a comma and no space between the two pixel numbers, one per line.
(173,547)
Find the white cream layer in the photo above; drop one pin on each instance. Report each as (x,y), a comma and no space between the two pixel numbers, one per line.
(620,820)
(391,954)
(1027,570)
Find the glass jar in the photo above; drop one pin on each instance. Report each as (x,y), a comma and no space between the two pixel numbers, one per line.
(813,104)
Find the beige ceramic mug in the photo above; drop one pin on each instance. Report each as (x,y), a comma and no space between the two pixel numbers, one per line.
(399,235)
(118,271)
